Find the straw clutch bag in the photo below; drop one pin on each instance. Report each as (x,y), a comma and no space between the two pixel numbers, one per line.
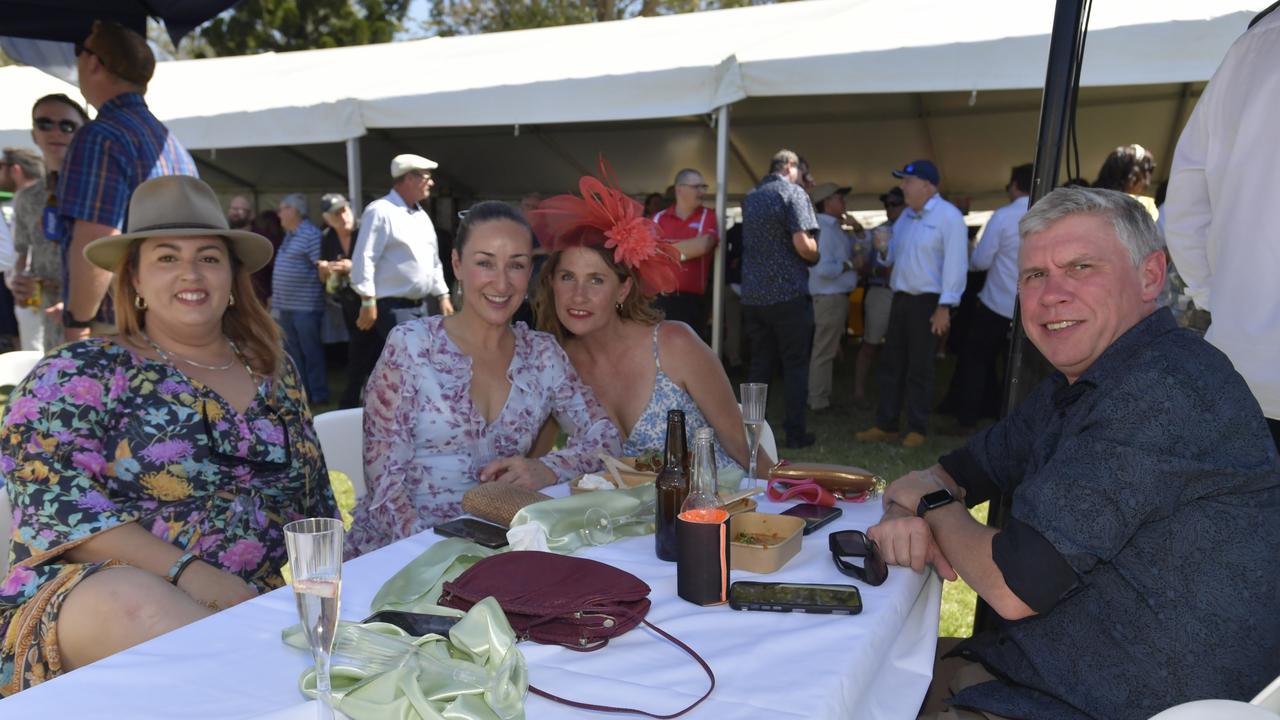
(499,502)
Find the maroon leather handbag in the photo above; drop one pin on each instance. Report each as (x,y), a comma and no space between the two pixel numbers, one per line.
(561,600)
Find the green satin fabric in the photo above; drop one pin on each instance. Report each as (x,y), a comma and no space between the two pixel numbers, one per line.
(619,513)
(476,673)
(416,588)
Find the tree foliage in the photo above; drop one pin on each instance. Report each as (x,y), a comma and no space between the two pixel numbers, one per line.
(467,17)
(255,26)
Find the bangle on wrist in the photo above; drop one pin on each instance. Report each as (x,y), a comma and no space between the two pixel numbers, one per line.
(179,566)
(368,302)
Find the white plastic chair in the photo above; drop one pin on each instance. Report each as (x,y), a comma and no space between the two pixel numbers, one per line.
(1269,698)
(15,365)
(1215,710)
(341,434)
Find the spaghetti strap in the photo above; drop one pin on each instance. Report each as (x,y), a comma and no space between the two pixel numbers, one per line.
(656,361)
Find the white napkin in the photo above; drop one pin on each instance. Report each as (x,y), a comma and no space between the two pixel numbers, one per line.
(591,481)
(529,536)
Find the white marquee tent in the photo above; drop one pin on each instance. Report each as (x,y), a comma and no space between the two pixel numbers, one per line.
(858,86)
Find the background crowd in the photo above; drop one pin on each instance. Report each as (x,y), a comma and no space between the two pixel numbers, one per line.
(172,438)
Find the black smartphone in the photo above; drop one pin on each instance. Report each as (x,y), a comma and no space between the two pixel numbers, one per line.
(477,531)
(416,624)
(786,597)
(814,516)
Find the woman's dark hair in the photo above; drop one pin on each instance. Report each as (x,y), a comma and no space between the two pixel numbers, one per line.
(60,98)
(484,212)
(1128,168)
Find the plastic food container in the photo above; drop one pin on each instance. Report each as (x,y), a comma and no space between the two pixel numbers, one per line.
(763,542)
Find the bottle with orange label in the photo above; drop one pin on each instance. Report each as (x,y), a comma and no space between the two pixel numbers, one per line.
(702,531)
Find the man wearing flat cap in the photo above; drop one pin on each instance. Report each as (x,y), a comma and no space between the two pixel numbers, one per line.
(395,266)
(830,282)
(929,253)
(108,158)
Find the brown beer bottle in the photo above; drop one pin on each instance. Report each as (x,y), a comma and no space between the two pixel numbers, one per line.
(672,486)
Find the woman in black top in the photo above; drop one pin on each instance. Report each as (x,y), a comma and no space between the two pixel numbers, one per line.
(336,245)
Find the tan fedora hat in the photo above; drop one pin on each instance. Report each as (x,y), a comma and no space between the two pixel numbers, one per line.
(177,206)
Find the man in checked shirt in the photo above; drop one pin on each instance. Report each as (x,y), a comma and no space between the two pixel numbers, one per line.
(112,155)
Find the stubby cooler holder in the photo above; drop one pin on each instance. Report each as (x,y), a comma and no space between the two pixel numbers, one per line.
(561,600)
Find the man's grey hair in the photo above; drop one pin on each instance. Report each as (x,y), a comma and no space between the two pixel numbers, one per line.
(782,159)
(1133,225)
(31,162)
(686,175)
(297,201)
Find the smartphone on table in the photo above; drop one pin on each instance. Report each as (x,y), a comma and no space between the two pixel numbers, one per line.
(479,532)
(416,624)
(814,516)
(789,597)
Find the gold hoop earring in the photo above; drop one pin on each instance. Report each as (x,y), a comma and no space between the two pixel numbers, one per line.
(231,299)
(139,302)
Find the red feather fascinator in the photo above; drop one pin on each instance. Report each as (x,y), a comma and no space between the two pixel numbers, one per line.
(606,217)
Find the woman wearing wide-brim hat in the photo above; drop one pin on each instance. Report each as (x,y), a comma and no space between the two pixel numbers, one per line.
(151,473)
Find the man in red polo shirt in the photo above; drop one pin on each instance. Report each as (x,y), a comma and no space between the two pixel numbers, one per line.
(693,230)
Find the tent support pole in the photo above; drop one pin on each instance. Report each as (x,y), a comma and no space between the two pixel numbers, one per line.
(354,176)
(1026,366)
(722,197)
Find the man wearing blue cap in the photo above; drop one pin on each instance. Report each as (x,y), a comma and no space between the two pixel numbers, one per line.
(929,254)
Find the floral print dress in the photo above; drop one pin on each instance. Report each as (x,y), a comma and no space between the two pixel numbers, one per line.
(97,436)
(425,442)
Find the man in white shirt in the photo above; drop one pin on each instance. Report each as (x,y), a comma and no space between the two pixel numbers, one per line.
(977,386)
(1222,227)
(929,253)
(830,282)
(395,265)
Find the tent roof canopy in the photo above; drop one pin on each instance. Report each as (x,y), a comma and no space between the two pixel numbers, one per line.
(858,85)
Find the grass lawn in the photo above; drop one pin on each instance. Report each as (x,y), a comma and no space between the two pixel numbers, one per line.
(835,429)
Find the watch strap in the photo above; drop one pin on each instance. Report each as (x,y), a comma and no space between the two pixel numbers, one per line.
(69,320)
(933,501)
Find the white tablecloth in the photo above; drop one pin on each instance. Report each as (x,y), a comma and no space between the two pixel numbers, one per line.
(767,665)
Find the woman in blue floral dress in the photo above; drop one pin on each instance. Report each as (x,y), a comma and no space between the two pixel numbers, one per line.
(595,296)
(151,473)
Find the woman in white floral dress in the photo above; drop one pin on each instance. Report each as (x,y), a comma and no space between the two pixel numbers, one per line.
(458,401)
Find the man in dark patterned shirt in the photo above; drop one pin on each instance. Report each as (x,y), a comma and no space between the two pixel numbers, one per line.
(778,246)
(1137,568)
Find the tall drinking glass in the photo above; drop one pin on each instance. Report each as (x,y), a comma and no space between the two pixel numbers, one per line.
(315,559)
(753,397)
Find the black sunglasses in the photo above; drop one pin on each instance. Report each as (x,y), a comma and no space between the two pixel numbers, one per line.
(230,458)
(81,50)
(855,543)
(45,124)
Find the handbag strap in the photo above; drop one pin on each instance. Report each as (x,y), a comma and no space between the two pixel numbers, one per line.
(609,708)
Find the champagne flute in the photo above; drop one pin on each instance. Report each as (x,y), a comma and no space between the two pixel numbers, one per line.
(315,559)
(753,396)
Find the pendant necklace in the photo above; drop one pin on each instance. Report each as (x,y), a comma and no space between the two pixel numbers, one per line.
(170,356)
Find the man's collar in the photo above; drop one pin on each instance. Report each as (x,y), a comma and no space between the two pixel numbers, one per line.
(928,205)
(398,199)
(1116,357)
(123,100)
